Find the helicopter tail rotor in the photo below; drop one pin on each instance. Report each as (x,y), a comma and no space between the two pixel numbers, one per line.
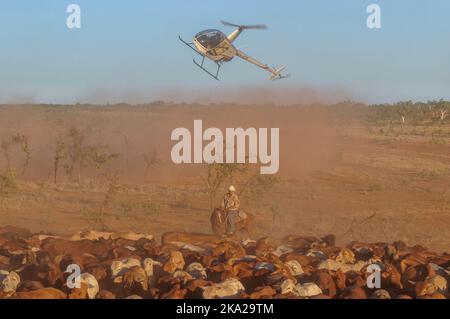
(276,74)
(245,27)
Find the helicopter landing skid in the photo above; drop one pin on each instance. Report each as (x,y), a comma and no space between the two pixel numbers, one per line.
(200,65)
(211,74)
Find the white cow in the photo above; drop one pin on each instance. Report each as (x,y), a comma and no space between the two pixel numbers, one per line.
(230,288)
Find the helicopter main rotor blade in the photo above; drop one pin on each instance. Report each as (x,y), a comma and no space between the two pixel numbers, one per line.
(256,26)
(245,27)
(228,24)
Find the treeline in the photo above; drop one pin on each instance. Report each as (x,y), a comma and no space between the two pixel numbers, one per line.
(409,112)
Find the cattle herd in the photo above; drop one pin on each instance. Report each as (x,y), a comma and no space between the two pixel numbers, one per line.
(134,266)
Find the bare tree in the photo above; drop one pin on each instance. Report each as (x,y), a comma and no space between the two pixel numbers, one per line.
(216,176)
(5,146)
(442,107)
(404,108)
(99,155)
(23,141)
(75,152)
(113,187)
(150,161)
(79,155)
(127,147)
(443,114)
(58,156)
(256,185)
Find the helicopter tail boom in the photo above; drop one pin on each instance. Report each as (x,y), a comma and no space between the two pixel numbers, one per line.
(276,73)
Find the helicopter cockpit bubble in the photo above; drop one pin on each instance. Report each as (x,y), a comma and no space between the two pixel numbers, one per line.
(209,39)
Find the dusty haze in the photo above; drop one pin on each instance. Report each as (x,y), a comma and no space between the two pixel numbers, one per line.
(337,175)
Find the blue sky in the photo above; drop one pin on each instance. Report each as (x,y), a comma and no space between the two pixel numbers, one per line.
(129,49)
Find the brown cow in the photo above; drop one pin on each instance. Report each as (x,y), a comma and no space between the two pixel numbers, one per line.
(186,265)
(325,281)
(190,238)
(265,292)
(57,247)
(44,293)
(79,293)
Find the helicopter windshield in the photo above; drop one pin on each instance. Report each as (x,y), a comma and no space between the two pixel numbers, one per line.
(210,38)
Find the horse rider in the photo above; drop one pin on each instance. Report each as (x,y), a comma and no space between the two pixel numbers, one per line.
(230,204)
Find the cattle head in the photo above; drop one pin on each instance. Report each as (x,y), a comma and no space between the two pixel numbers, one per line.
(79,293)
(135,281)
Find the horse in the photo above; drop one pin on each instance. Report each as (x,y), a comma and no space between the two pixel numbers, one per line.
(220,226)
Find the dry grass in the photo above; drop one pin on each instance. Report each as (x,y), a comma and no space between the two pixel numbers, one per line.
(382,183)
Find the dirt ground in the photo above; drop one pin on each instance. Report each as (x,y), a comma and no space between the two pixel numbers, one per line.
(337,175)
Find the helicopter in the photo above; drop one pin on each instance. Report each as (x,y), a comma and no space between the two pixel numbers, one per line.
(218,47)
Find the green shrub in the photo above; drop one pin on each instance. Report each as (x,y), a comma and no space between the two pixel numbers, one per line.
(8,181)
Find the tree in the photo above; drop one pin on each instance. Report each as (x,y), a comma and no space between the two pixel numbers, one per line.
(216,176)
(5,146)
(59,155)
(150,161)
(79,155)
(127,147)
(443,108)
(75,152)
(99,155)
(252,183)
(403,109)
(256,185)
(22,141)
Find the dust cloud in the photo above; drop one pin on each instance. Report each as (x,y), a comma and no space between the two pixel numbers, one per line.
(307,135)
